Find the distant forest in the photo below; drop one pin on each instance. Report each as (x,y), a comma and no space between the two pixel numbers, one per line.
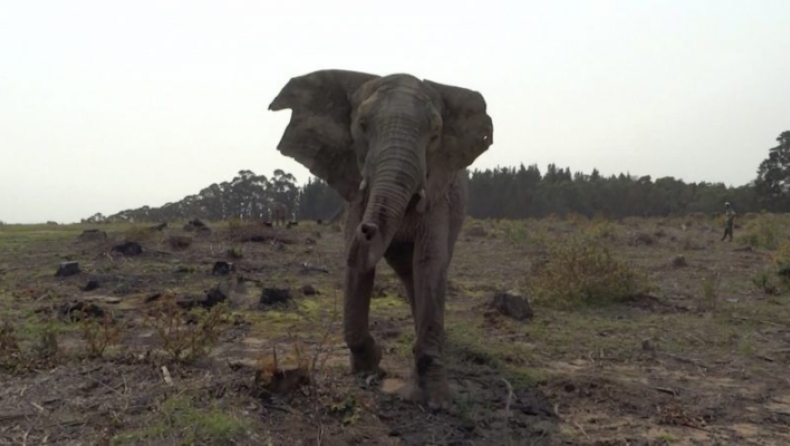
(506,192)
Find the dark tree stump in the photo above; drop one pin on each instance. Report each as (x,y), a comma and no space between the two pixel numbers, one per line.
(516,307)
(66,269)
(271,296)
(128,249)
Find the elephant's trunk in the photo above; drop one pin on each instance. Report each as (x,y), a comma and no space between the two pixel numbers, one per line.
(395,179)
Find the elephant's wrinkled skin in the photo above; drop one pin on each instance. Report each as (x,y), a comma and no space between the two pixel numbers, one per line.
(395,148)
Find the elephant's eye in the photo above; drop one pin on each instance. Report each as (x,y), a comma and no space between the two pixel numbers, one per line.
(363,125)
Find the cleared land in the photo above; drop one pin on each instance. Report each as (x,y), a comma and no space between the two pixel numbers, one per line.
(691,350)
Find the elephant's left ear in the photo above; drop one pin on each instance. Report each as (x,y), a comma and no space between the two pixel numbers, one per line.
(319,133)
(467,132)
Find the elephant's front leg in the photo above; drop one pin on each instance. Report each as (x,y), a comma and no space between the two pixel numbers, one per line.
(365,353)
(429,383)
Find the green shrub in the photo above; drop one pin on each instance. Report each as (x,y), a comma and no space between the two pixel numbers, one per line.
(763,232)
(765,280)
(43,351)
(576,219)
(100,333)
(781,272)
(581,271)
(186,335)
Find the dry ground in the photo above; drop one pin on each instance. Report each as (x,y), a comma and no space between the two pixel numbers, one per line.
(700,359)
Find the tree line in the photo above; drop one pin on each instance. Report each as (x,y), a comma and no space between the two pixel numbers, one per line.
(246,197)
(503,192)
(527,192)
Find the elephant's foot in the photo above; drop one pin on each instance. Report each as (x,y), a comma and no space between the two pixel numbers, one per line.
(366,357)
(429,388)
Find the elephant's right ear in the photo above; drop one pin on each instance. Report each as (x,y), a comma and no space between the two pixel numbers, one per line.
(319,134)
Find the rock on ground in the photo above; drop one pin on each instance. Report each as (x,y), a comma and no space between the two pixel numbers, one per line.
(516,307)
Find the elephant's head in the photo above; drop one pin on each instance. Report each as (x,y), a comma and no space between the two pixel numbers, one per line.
(391,143)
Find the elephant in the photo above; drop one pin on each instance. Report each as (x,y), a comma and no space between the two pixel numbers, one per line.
(277,213)
(396,148)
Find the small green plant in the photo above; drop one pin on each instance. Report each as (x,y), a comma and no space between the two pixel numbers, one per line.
(99,334)
(235,253)
(517,234)
(746,346)
(581,271)
(45,351)
(180,417)
(464,406)
(186,335)
(666,438)
(467,344)
(523,378)
(347,410)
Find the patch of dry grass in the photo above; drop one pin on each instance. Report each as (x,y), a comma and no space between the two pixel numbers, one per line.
(590,320)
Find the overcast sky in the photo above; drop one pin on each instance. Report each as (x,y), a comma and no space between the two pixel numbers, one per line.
(106,106)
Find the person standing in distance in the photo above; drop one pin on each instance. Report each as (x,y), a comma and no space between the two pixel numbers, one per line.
(729,221)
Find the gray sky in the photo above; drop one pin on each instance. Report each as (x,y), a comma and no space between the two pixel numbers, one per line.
(106,106)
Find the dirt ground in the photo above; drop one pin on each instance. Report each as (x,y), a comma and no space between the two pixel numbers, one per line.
(700,359)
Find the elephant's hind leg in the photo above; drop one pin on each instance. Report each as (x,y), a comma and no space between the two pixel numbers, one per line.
(400,257)
(429,270)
